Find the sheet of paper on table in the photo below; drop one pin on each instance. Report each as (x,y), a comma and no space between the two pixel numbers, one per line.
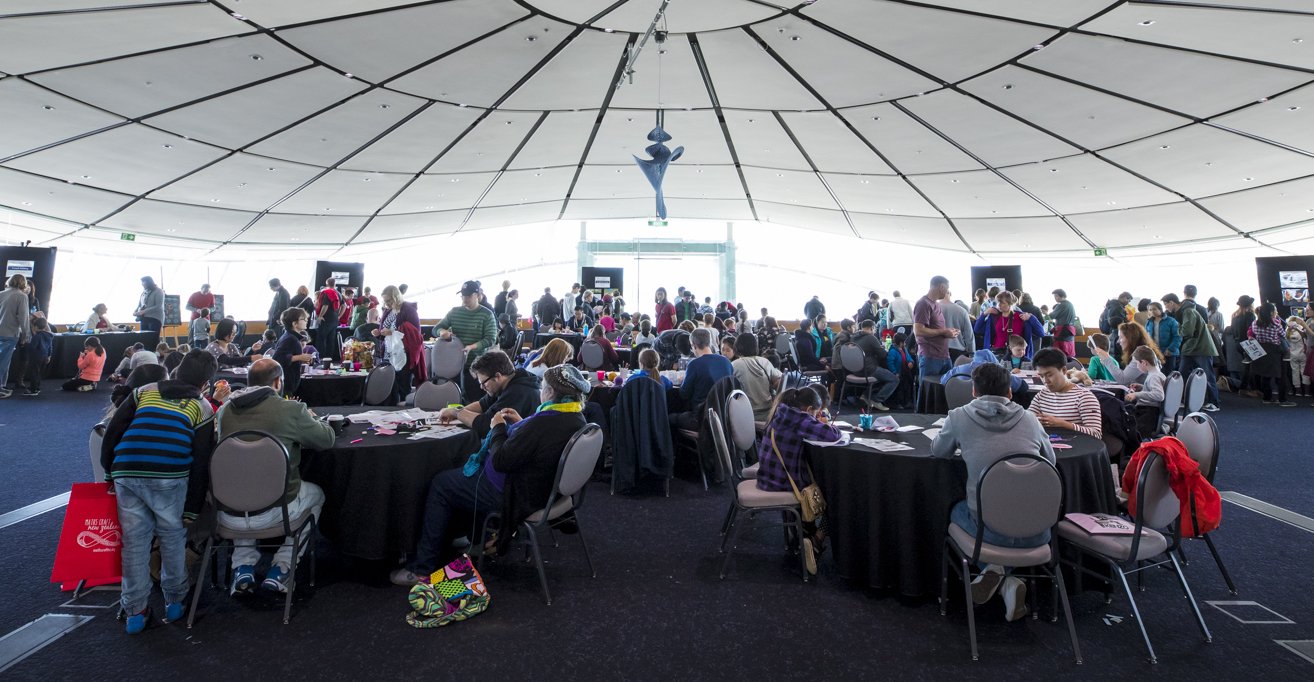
(840,424)
(910,427)
(435,432)
(884,424)
(844,440)
(938,422)
(882,445)
(931,433)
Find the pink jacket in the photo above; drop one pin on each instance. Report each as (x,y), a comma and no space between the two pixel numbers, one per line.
(90,365)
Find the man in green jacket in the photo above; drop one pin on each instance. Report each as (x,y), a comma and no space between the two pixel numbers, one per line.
(261,407)
(473,324)
(1198,349)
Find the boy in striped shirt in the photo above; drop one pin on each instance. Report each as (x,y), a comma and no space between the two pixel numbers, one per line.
(156,454)
(1063,404)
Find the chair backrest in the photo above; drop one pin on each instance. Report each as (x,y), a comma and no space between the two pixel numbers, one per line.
(591,355)
(783,343)
(853,359)
(430,396)
(447,359)
(378,385)
(966,359)
(739,418)
(94,441)
(520,342)
(1173,390)
(1199,434)
(723,451)
(1075,364)
(578,460)
(1156,504)
(248,472)
(958,391)
(1020,496)
(362,332)
(1196,385)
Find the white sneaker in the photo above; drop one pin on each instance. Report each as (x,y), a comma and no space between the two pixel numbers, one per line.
(87,387)
(878,406)
(984,585)
(1210,407)
(1015,599)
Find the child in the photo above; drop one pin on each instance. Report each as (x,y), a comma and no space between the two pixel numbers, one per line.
(201,329)
(125,366)
(1100,359)
(1149,395)
(162,350)
(1296,338)
(1016,358)
(900,362)
(38,354)
(90,365)
(156,453)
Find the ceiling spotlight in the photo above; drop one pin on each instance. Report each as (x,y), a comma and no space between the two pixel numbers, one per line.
(238,17)
(864,181)
(27,203)
(531,38)
(780,175)
(1165,146)
(608,30)
(1247,179)
(508,122)
(428,208)
(618,170)
(1037,47)
(167,146)
(1293,108)
(1297,40)
(1147,22)
(1008,86)
(214,201)
(241,184)
(1053,170)
(538,175)
(794,38)
(385,106)
(257,58)
(86,177)
(954,180)
(348,75)
(48,108)
(366,179)
(1261,100)
(456,179)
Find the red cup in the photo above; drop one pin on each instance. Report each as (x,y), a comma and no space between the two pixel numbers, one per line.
(355,366)
(602,376)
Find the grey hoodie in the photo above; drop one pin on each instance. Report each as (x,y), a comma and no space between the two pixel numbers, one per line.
(989,429)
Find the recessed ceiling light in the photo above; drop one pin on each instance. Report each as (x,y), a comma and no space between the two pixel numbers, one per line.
(86,177)
(1293,108)
(780,175)
(1247,179)
(1037,47)
(618,170)
(540,175)
(608,30)
(1165,146)
(954,180)
(296,239)
(348,75)
(794,38)
(271,169)
(1008,86)
(461,105)
(428,208)
(1297,40)
(1113,203)
(238,17)
(48,108)
(1053,170)
(27,203)
(170,230)
(385,106)
(327,208)
(241,184)
(168,146)
(1261,100)
(214,201)
(864,181)
(256,57)
(509,122)
(456,179)
(1147,22)
(531,38)
(366,179)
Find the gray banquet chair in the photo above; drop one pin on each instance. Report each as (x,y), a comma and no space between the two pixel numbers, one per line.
(378,385)
(1194,396)
(1018,496)
(447,361)
(431,397)
(743,431)
(94,440)
(958,391)
(574,469)
(854,364)
(1199,434)
(1173,392)
(1156,508)
(248,475)
(590,353)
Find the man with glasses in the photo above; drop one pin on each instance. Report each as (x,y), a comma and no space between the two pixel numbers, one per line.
(473,324)
(504,387)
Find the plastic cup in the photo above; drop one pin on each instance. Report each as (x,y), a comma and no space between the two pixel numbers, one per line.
(602,376)
(865,421)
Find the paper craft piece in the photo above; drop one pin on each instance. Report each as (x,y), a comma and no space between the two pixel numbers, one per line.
(931,433)
(1060,446)
(438,432)
(1102,524)
(841,424)
(939,422)
(385,432)
(881,444)
(1253,349)
(885,424)
(844,440)
(910,427)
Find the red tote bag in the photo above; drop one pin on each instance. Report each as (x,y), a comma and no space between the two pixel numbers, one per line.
(91,542)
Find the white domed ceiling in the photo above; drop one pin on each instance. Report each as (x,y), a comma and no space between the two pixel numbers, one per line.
(970,125)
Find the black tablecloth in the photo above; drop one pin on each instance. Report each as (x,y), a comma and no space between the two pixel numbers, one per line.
(67,348)
(332,389)
(887,512)
(575,340)
(375,490)
(605,396)
(932,399)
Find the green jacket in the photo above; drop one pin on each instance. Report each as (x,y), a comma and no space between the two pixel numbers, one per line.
(476,326)
(1098,372)
(1196,339)
(260,408)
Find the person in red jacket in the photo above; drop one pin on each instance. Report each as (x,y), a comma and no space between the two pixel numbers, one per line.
(200,300)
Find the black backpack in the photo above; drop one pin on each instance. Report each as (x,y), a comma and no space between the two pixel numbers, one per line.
(1118,419)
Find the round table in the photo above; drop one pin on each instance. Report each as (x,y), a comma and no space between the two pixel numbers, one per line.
(66,347)
(575,340)
(332,389)
(932,399)
(887,512)
(375,490)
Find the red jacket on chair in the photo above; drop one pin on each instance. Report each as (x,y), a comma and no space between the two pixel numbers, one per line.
(1185,479)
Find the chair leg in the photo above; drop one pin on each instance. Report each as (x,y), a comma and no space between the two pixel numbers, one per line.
(593,573)
(964,573)
(1181,554)
(725,525)
(1136,612)
(703,473)
(732,537)
(944,581)
(538,562)
(196,595)
(1033,599)
(802,557)
(1199,618)
(291,585)
(667,484)
(1067,611)
(1231,586)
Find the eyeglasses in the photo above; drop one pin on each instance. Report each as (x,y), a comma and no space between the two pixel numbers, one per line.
(485,380)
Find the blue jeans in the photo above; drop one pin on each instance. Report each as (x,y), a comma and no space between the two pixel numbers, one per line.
(152,507)
(962,517)
(7,346)
(150,324)
(887,382)
(452,491)
(929,367)
(1205,362)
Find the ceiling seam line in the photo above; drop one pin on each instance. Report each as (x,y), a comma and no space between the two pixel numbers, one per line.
(815,171)
(696,47)
(502,171)
(131,55)
(1228,8)
(597,124)
(99,10)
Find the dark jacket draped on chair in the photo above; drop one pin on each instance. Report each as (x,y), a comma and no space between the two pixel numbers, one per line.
(640,434)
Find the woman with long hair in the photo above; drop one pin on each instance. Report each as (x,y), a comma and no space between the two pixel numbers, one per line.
(556,352)
(1269,331)
(401,318)
(1132,336)
(1238,330)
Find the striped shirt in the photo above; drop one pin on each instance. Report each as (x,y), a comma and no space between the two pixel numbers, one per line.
(471,326)
(158,442)
(1077,405)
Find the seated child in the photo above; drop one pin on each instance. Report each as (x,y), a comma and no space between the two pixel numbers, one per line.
(1103,367)
(1147,396)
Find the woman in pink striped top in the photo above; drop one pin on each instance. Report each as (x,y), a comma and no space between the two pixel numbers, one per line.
(1063,404)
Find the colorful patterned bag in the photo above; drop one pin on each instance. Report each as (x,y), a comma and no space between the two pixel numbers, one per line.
(454,593)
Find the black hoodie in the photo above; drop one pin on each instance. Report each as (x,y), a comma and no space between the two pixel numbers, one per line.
(521,394)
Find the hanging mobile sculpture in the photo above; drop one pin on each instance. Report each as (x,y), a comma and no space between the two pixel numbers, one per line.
(662,156)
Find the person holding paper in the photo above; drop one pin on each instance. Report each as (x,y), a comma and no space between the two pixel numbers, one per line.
(988,429)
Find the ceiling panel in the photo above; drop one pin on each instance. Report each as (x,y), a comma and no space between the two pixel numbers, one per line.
(346,192)
(610,182)
(131,159)
(137,86)
(1012,235)
(666,76)
(635,15)
(503,216)
(746,77)
(819,220)
(977,194)
(394,227)
(180,221)
(274,13)
(1152,225)
(49,41)
(703,182)
(1263,207)
(559,140)
(591,57)
(1251,35)
(240,181)
(879,194)
(591,209)
(832,146)
(1086,183)
(988,134)
(276,228)
(441,193)
(338,133)
(932,232)
(489,146)
(1286,119)
(530,186)
(1065,13)
(42,195)
(34,117)
(1194,84)
(761,141)
(788,187)
(415,144)
(909,146)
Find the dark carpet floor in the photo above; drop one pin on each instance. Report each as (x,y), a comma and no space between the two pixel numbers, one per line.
(657,609)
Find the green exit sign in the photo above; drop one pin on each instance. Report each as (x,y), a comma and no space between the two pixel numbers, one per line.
(657,223)
(127,236)
(1101,252)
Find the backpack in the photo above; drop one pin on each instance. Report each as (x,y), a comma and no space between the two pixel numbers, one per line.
(1118,419)
(454,593)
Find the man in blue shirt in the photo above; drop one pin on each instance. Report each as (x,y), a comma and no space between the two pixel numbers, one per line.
(703,372)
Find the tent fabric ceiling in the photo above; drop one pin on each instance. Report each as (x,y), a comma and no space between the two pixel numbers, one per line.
(974,126)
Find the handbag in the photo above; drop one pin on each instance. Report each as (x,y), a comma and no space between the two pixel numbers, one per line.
(454,593)
(810,500)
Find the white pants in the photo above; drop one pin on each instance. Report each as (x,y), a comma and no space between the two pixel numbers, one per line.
(245,552)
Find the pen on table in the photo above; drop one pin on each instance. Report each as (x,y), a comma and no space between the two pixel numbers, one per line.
(358,440)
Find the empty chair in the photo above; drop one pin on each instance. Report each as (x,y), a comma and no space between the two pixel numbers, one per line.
(447,359)
(1019,496)
(248,475)
(1196,387)
(743,431)
(378,385)
(1173,392)
(745,497)
(1199,434)
(855,371)
(430,396)
(363,332)
(590,353)
(1156,508)
(574,468)
(958,391)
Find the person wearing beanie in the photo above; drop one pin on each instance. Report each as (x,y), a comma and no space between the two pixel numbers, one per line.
(512,473)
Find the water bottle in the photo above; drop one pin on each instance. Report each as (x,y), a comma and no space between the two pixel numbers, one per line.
(586,330)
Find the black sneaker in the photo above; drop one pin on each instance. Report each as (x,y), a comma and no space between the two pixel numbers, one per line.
(31,392)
